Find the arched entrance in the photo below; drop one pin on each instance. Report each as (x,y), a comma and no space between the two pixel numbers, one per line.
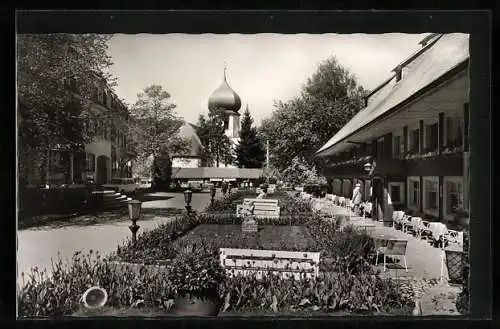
(102,170)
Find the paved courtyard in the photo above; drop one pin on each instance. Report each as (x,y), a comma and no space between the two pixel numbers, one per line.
(423,260)
(38,245)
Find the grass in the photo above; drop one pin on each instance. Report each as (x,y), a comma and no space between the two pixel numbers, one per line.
(107,217)
(268,237)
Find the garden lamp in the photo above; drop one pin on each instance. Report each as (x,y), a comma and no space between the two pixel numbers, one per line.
(134,213)
(212,195)
(367,167)
(188,195)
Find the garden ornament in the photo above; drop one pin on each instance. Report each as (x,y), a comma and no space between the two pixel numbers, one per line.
(95,297)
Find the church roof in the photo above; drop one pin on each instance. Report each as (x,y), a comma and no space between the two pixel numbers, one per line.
(188,131)
(224,97)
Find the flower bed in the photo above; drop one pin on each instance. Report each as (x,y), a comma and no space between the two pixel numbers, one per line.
(191,244)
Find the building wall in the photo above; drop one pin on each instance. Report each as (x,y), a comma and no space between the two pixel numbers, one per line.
(179,162)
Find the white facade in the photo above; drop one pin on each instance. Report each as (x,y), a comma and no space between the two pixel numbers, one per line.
(180,162)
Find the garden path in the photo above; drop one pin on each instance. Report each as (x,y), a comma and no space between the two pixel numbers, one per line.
(424,261)
(37,246)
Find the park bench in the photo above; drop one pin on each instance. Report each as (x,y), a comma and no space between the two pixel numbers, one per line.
(285,264)
(263,208)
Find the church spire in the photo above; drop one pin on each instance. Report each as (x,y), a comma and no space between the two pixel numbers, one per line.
(225,67)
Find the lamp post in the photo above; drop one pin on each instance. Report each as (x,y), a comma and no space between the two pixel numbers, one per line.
(134,213)
(188,195)
(212,195)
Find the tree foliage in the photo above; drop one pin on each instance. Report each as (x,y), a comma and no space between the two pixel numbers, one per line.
(154,131)
(56,78)
(217,147)
(249,151)
(300,172)
(300,126)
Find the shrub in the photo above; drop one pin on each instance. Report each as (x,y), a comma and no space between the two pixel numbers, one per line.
(346,250)
(329,293)
(293,205)
(60,293)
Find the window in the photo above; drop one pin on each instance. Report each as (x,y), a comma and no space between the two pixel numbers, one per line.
(453,195)
(396,192)
(55,158)
(414,193)
(431,195)
(453,128)
(431,137)
(380,148)
(414,141)
(89,162)
(397,146)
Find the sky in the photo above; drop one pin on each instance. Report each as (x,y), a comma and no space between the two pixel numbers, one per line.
(261,68)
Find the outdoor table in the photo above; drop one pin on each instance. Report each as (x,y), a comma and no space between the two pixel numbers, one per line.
(381,240)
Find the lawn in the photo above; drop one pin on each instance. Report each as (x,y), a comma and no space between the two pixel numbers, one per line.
(268,237)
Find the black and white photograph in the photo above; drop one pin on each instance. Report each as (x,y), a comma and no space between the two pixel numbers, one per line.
(234,174)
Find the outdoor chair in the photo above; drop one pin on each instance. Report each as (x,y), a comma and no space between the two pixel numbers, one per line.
(367,209)
(454,237)
(405,223)
(393,248)
(341,201)
(423,230)
(438,233)
(397,217)
(414,226)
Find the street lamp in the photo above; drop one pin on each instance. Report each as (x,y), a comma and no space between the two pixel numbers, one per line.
(188,195)
(212,195)
(134,213)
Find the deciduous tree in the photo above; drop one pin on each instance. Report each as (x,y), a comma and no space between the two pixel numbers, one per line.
(300,126)
(56,79)
(155,131)
(217,146)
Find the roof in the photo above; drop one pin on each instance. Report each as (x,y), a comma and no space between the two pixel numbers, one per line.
(188,131)
(215,172)
(445,54)
(224,97)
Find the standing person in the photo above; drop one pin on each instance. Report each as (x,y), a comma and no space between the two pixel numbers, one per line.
(356,198)
(224,187)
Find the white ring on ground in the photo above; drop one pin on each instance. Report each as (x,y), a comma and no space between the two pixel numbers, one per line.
(102,302)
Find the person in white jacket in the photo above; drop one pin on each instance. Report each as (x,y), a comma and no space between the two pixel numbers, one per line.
(356,198)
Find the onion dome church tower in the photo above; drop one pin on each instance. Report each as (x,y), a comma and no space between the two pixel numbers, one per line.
(227,100)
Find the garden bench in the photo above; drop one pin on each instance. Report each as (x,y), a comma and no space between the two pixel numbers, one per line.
(286,264)
(263,208)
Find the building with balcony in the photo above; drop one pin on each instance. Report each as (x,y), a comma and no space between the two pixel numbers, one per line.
(414,131)
(106,155)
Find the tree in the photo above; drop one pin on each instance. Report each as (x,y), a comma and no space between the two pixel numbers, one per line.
(154,129)
(300,126)
(217,146)
(249,151)
(56,78)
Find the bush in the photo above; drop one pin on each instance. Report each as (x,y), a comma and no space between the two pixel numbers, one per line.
(347,250)
(329,293)
(195,270)
(60,294)
(294,205)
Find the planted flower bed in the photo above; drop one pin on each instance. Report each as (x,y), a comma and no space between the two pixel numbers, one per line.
(191,245)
